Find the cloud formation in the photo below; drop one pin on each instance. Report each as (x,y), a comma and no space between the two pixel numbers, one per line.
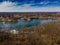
(8,6)
(44,2)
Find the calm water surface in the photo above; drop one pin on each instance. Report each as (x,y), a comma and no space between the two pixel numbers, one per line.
(22,23)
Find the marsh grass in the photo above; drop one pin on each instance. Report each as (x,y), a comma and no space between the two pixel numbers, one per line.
(46,34)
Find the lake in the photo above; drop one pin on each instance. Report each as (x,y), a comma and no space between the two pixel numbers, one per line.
(20,23)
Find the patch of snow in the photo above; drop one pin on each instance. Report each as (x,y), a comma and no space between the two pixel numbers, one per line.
(14,31)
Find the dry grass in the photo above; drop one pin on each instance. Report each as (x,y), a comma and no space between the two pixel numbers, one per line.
(46,34)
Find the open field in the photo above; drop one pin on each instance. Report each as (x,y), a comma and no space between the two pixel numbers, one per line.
(46,34)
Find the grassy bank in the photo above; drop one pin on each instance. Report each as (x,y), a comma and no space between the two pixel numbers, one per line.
(46,34)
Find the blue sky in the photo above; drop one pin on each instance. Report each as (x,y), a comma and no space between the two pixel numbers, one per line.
(29,5)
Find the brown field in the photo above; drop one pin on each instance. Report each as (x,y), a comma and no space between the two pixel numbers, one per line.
(46,34)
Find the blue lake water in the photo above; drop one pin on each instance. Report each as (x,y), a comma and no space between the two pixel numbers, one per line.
(20,23)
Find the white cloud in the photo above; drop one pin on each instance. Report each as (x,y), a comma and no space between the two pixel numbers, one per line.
(25,5)
(6,6)
(44,2)
(11,7)
(6,3)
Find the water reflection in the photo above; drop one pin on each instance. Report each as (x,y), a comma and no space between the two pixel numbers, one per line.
(20,23)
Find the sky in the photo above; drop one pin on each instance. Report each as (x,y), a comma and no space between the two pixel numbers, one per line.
(29,5)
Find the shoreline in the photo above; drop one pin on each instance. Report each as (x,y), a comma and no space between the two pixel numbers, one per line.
(28,28)
(47,33)
(27,19)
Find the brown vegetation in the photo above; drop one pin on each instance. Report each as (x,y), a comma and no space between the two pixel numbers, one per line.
(46,34)
(28,16)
